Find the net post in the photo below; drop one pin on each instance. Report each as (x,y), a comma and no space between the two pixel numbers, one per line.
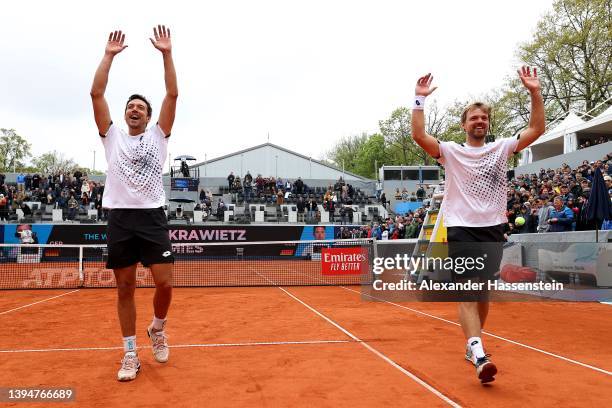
(375,247)
(81,274)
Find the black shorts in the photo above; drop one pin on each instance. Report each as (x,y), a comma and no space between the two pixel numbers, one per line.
(138,235)
(485,245)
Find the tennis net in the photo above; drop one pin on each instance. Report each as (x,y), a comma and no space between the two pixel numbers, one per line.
(277,263)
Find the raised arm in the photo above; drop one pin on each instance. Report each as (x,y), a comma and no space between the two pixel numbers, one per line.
(101,112)
(168,109)
(427,142)
(537,122)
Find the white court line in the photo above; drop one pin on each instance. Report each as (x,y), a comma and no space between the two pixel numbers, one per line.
(368,347)
(377,353)
(204,345)
(569,360)
(40,301)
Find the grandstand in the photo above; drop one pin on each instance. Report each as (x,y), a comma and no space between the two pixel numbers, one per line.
(273,185)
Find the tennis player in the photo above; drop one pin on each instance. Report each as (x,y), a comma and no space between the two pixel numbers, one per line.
(474,205)
(134,193)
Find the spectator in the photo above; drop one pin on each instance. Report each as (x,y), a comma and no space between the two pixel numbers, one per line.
(398,195)
(280,197)
(248,186)
(85,202)
(72,207)
(237,185)
(420,194)
(299,186)
(21,182)
(230,180)
(561,218)
(301,206)
(312,208)
(98,207)
(221,210)
(184,168)
(3,208)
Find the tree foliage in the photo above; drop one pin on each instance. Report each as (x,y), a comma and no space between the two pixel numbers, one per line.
(54,163)
(13,150)
(572,49)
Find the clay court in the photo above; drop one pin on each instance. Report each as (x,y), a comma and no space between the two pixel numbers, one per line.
(304,346)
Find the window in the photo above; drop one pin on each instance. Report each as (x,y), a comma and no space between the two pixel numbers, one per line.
(393,175)
(431,174)
(410,174)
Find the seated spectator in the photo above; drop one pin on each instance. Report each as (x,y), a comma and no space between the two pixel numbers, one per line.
(221,210)
(398,195)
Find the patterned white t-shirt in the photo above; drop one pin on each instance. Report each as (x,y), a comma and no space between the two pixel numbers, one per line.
(475,187)
(135,163)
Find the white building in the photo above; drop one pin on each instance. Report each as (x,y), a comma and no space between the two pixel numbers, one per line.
(561,144)
(271,160)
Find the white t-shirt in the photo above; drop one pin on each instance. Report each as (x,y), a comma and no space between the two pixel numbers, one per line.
(476,187)
(135,163)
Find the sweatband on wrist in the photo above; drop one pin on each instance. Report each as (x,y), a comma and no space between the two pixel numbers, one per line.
(419,102)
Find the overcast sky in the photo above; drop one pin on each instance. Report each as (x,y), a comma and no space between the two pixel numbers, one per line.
(306,73)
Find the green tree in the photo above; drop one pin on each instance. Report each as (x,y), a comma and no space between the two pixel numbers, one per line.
(13,149)
(54,163)
(396,132)
(373,154)
(343,154)
(572,49)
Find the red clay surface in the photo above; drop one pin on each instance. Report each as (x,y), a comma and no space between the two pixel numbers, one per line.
(313,374)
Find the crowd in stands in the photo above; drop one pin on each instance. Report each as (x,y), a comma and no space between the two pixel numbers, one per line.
(396,227)
(72,193)
(589,143)
(337,199)
(419,195)
(554,200)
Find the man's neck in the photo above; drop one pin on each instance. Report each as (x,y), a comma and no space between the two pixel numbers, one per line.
(136,131)
(474,142)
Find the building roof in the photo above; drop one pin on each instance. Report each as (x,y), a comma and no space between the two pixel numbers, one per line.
(566,126)
(283,149)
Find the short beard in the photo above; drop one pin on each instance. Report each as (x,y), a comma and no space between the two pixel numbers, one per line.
(478,137)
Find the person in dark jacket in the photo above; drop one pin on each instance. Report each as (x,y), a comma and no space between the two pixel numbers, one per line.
(561,217)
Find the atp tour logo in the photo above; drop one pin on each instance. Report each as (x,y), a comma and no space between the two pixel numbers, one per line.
(343,261)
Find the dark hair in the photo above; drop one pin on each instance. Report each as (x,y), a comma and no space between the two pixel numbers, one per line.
(142,98)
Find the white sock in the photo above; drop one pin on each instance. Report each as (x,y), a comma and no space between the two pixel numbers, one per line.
(158,324)
(129,344)
(475,344)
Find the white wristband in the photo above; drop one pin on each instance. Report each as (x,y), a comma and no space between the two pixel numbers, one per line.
(419,102)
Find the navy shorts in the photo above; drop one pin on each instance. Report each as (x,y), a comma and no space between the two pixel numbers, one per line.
(138,235)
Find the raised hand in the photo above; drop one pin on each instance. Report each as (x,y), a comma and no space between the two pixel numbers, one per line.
(115,43)
(423,86)
(162,39)
(529,80)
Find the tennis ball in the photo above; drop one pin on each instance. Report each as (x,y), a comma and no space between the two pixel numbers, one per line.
(519,221)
